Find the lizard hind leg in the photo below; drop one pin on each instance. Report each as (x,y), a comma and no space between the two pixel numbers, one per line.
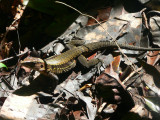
(88,63)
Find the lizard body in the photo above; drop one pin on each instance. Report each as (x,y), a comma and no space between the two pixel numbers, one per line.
(66,61)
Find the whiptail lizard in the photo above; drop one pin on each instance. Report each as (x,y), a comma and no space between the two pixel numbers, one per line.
(66,61)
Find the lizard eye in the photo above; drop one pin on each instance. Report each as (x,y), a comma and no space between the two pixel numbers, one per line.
(41,66)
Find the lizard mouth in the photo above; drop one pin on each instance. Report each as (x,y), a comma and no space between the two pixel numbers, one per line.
(28,64)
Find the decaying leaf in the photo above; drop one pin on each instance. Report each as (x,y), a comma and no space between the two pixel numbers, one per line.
(153,57)
(103,15)
(20,107)
(155,30)
(110,71)
(141,112)
(151,77)
(45,83)
(81,93)
(5,49)
(79,115)
(150,82)
(113,26)
(116,63)
(91,108)
(111,90)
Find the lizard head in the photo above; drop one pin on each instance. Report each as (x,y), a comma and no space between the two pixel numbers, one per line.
(34,63)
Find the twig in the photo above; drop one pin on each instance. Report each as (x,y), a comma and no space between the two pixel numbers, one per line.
(57,97)
(6,59)
(145,20)
(19,40)
(83,15)
(16,18)
(8,29)
(102,107)
(7,83)
(113,39)
(130,75)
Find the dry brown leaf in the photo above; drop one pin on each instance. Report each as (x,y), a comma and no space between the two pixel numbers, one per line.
(141,111)
(21,107)
(152,57)
(151,76)
(79,115)
(92,56)
(103,15)
(15,8)
(116,62)
(109,70)
(149,80)
(5,50)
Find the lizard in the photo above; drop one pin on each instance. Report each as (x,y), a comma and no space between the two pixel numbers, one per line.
(67,60)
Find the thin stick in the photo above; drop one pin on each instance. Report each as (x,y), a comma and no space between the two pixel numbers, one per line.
(113,39)
(130,75)
(7,83)
(102,107)
(13,56)
(145,20)
(84,15)
(8,29)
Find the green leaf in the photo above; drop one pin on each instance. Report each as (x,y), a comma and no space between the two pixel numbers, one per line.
(3,65)
(45,6)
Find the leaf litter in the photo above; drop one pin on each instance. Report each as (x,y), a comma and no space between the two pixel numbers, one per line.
(94,93)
